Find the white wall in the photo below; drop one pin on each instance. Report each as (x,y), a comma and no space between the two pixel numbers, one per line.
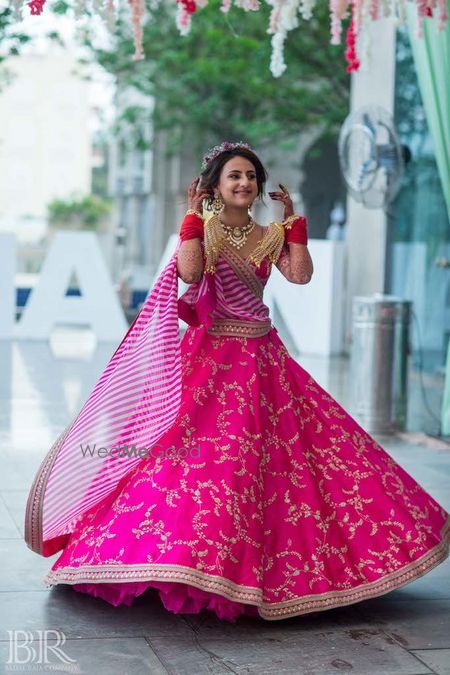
(44,136)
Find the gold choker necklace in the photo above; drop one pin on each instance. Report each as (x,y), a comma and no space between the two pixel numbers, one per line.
(237,236)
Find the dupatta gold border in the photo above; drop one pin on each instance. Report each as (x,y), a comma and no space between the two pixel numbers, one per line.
(252,595)
(33,534)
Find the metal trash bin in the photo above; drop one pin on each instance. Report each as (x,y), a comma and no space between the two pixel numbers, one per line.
(379,362)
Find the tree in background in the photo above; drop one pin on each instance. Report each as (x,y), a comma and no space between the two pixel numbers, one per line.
(215,83)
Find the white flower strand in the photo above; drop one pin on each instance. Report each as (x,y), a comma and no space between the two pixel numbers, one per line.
(277,64)
(183,20)
(306,9)
(283,18)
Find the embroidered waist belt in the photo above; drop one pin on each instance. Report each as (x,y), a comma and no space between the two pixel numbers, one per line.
(240,327)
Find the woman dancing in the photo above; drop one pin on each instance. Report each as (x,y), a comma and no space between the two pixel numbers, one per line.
(214,468)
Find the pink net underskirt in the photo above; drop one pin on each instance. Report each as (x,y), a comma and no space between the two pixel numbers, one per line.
(176,597)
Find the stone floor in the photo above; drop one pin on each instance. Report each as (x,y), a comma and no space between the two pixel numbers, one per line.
(404,632)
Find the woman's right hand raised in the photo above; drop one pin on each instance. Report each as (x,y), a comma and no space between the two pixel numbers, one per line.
(195,196)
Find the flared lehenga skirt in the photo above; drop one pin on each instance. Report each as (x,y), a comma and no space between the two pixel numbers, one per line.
(265,497)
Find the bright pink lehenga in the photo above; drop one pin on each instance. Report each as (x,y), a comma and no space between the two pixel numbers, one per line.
(280,503)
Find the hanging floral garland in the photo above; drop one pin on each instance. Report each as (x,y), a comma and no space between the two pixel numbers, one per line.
(284,17)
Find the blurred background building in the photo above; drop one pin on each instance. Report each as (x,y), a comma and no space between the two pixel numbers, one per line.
(45,145)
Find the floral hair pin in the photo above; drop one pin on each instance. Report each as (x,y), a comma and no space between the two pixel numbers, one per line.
(218,149)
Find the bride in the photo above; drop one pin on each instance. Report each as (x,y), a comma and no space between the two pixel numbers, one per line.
(219,472)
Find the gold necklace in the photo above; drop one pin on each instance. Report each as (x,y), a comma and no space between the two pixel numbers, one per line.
(237,236)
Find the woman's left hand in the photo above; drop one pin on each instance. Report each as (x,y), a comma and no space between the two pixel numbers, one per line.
(284,197)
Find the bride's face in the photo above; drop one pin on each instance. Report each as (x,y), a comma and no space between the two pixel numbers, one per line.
(238,185)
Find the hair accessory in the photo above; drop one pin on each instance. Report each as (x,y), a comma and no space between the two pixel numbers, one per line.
(218,149)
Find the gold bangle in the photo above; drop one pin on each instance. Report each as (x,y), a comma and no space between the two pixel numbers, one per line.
(195,213)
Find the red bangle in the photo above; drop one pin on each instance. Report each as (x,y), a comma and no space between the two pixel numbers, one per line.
(192,227)
(296,230)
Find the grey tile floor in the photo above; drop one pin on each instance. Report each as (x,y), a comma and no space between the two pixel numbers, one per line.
(404,632)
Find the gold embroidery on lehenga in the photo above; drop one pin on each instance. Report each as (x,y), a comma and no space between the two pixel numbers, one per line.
(247,495)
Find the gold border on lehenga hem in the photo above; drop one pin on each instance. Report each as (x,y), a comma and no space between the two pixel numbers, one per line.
(250,595)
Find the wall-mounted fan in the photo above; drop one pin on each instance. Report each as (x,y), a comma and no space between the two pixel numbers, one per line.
(371,156)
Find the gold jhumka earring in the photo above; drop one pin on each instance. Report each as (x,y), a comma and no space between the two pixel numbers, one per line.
(217,204)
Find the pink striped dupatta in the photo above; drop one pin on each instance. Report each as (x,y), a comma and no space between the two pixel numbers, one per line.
(134,402)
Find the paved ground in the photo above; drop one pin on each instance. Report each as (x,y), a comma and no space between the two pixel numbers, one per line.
(405,632)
